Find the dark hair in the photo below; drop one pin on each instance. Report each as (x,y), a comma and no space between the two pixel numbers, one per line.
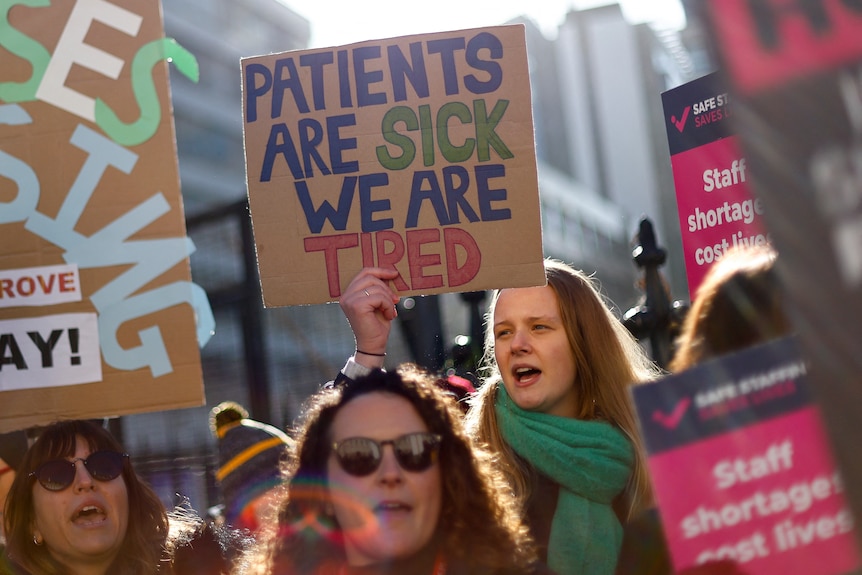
(147,526)
(479,522)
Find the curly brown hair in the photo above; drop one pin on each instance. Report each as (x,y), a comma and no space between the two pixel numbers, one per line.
(148,522)
(479,522)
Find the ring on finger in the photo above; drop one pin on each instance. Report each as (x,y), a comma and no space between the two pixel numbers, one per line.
(366,292)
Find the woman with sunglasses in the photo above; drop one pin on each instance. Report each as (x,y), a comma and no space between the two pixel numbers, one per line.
(77,507)
(385,481)
(554,407)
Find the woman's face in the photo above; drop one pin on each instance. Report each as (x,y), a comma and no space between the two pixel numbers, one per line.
(389,513)
(85,523)
(533,352)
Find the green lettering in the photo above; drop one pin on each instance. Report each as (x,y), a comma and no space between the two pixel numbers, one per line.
(387,129)
(427,135)
(145,126)
(25,47)
(485,134)
(451,152)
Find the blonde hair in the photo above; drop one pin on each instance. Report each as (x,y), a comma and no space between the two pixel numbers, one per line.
(608,361)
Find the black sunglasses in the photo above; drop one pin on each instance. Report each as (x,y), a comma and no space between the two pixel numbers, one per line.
(58,474)
(361,456)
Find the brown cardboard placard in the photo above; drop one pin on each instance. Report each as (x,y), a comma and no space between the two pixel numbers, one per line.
(415,152)
(97,308)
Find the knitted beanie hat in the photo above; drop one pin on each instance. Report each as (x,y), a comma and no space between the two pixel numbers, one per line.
(250,453)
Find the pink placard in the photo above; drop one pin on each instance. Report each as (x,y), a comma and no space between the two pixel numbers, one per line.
(768,496)
(716,208)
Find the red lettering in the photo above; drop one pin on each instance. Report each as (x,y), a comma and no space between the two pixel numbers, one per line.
(416,260)
(46,289)
(67,281)
(6,287)
(367,250)
(330,245)
(455,238)
(388,259)
(463,257)
(25,286)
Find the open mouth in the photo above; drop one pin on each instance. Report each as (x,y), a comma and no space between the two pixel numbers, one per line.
(526,374)
(88,515)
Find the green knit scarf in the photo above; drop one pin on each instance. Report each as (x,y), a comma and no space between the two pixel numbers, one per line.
(591,461)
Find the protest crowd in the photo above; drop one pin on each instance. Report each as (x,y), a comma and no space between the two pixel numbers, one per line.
(565,448)
(545,473)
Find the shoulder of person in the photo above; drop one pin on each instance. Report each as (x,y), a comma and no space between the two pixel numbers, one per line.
(7,567)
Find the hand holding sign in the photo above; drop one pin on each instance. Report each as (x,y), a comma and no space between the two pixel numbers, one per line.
(369,305)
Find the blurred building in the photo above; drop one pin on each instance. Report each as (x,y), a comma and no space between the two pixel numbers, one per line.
(603,163)
(695,40)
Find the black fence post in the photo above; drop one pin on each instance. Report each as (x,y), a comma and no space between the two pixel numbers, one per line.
(658,318)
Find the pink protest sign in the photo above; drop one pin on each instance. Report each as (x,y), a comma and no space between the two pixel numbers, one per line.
(742,469)
(710,172)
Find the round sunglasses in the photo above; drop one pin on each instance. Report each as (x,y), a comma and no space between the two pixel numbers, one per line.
(360,456)
(58,474)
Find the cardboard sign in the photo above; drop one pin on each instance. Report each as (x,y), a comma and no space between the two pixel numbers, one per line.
(415,153)
(97,307)
(742,468)
(795,69)
(716,208)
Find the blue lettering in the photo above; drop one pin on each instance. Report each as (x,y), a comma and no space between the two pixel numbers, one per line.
(367,206)
(151,353)
(21,173)
(400,70)
(432,194)
(337,144)
(285,148)
(292,82)
(455,193)
(315,218)
(102,153)
(487,195)
(311,136)
(110,246)
(364,78)
(316,62)
(253,91)
(344,79)
(446,48)
(481,41)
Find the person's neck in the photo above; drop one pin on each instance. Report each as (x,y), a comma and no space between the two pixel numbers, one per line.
(93,567)
(419,563)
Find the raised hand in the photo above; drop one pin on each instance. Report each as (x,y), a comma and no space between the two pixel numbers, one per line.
(369,304)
